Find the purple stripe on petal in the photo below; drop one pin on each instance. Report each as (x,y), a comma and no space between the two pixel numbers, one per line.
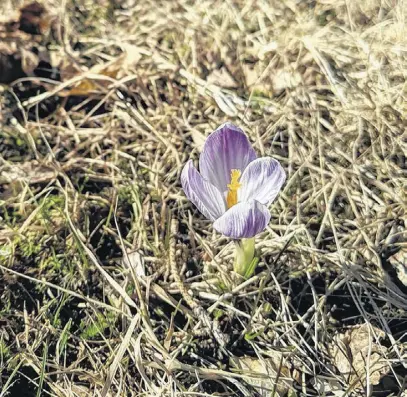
(261,181)
(243,220)
(225,149)
(206,197)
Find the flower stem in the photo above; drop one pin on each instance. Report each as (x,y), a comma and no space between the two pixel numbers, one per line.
(244,260)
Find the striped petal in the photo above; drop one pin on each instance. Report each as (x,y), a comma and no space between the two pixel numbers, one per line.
(262,180)
(206,197)
(226,149)
(243,220)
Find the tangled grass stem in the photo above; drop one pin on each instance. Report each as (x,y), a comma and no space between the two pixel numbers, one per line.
(198,310)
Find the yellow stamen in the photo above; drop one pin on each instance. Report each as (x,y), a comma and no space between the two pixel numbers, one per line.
(234,185)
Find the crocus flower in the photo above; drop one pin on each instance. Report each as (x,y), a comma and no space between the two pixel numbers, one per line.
(233,188)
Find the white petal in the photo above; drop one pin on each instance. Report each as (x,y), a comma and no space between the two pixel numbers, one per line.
(261,181)
(243,220)
(206,197)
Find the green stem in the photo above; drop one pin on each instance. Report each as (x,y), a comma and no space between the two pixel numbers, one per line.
(244,256)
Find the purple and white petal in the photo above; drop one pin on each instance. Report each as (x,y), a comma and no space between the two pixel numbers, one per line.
(206,197)
(262,180)
(226,149)
(243,220)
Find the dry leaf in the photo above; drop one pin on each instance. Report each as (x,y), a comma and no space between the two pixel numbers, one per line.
(80,391)
(29,172)
(357,355)
(329,386)
(99,77)
(91,84)
(29,61)
(252,74)
(135,261)
(264,50)
(255,80)
(222,78)
(262,374)
(399,262)
(285,79)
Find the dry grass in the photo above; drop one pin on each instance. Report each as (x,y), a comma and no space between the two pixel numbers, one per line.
(90,186)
